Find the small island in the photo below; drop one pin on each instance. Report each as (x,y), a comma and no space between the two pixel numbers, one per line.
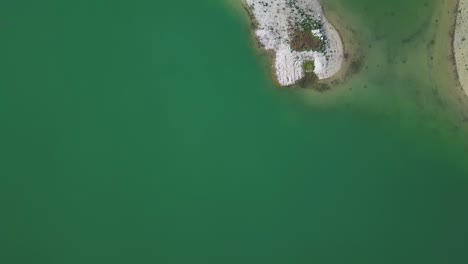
(304,43)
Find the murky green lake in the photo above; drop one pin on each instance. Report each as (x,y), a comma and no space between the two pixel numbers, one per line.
(151,132)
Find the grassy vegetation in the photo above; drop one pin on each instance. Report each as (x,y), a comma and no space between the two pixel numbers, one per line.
(309,66)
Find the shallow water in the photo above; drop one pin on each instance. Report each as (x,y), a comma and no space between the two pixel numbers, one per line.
(150,132)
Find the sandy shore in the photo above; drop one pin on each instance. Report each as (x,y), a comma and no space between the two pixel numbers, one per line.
(273,19)
(460,44)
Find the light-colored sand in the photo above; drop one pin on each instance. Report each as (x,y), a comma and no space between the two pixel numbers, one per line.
(460,44)
(273,18)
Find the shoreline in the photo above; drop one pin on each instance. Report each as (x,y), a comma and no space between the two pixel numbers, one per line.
(353,55)
(333,69)
(460,44)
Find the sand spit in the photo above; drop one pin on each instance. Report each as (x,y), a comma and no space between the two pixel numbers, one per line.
(460,44)
(274,19)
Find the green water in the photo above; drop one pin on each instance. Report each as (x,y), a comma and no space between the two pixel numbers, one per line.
(150,132)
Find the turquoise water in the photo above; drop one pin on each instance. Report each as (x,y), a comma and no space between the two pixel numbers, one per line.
(148,132)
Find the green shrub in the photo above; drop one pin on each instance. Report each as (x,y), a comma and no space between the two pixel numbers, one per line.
(309,66)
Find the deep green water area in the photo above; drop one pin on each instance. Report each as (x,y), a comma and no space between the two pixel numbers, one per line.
(151,132)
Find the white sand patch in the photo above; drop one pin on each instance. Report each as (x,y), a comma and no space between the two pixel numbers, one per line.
(274,18)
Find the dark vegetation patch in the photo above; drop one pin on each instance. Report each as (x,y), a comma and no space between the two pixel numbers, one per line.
(309,80)
(321,87)
(356,65)
(300,30)
(304,40)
